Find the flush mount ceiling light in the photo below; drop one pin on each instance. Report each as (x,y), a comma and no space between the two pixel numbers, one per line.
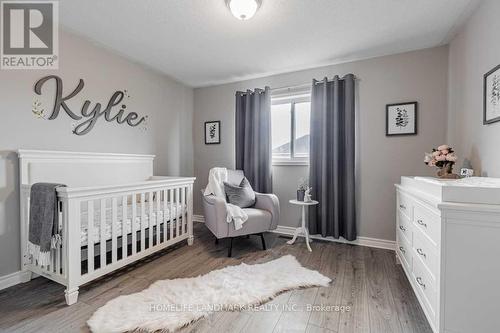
(243,9)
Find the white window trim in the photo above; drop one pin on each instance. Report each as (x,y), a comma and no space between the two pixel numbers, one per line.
(296,97)
(289,161)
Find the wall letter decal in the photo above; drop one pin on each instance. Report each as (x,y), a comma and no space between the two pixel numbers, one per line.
(91,114)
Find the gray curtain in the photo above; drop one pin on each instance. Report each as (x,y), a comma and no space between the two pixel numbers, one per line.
(332,158)
(253,137)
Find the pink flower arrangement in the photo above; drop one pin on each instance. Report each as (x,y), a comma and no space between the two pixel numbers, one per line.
(441,157)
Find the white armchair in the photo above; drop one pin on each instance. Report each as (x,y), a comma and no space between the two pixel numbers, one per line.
(263,216)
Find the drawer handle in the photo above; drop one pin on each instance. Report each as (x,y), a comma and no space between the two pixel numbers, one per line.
(422,223)
(402,206)
(402,228)
(402,249)
(419,281)
(419,251)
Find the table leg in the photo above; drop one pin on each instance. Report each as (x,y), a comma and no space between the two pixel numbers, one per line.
(295,234)
(306,232)
(302,230)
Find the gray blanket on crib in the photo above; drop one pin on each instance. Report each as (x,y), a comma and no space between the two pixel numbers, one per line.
(44,215)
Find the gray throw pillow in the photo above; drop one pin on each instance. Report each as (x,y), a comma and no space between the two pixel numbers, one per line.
(242,196)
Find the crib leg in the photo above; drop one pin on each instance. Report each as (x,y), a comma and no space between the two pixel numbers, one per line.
(71,296)
(190,240)
(26,276)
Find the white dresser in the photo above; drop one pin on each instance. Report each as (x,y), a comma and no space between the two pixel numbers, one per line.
(448,242)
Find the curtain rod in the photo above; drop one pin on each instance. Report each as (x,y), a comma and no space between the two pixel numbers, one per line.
(304,85)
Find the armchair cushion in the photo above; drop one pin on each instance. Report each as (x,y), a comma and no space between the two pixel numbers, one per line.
(258,221)
(269,202)
(242,196)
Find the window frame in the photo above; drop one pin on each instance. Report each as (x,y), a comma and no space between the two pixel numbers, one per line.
(292,99)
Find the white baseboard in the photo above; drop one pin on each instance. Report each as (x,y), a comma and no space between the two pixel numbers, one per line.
(12,279)
(362,241)
(198,218)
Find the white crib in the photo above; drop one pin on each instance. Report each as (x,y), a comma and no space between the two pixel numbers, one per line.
(112,213)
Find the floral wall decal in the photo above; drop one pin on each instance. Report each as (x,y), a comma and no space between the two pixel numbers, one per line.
(37,109)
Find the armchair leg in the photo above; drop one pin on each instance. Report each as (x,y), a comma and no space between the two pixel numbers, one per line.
(216,240)
(263,241)
(229,252)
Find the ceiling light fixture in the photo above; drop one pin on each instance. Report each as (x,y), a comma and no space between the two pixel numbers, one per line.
(243,9)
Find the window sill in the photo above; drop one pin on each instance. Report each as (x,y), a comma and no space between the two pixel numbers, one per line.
(290,162)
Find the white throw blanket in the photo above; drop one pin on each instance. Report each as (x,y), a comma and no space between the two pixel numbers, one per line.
(215,186)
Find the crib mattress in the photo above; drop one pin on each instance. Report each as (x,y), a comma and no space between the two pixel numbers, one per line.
(156,218)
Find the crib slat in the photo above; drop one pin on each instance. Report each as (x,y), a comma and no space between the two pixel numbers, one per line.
(114,227)
(102,251)
(133,224)
(64,235)
(186,201)
(189,210)
(183,202)
(185,209)
(124,227)
(58,260)
(51,267)
(143,222)
(90,236)
(157,219)
(171,212)
(177,202)
(150,219)
(57,268)
(165,218)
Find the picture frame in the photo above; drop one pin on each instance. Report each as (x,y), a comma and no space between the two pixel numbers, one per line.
(401,119)
(212,132)
(491,96)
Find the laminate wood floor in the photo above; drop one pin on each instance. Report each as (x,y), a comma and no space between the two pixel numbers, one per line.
(370,290)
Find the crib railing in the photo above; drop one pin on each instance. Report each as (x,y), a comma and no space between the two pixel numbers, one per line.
(105,228)
(153,216)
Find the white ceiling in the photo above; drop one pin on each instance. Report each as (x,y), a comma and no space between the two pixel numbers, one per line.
(200,43)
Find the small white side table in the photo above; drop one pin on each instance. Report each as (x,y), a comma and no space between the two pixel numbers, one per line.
(302,229)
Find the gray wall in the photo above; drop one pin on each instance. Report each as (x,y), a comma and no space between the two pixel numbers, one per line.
(168,103)
(415,76)
(473,52)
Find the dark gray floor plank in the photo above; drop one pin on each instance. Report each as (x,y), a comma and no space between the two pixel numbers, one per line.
(382,311)
(354,294)
(332,264)
(410,314)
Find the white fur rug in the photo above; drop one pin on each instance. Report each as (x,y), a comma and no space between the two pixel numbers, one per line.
(171,304)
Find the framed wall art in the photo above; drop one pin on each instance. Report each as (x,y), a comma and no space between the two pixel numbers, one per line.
(212,132)
(401,119)
(491,96)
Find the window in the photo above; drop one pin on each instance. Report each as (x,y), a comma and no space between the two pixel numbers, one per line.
(290,125)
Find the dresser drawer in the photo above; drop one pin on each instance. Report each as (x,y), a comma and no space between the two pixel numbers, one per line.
(405,205)
(404,251)
(405,227)
(426,251)
(425,286)
(428,222)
